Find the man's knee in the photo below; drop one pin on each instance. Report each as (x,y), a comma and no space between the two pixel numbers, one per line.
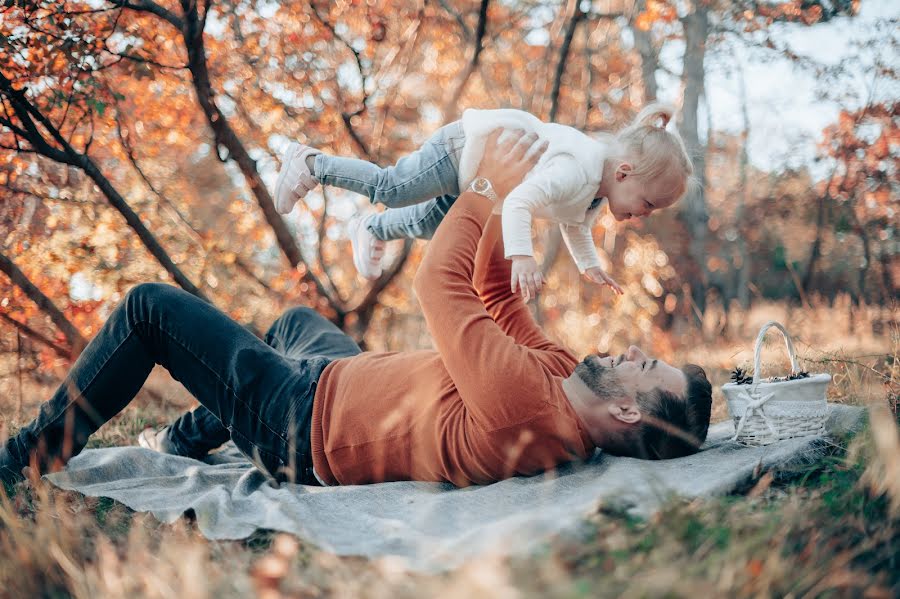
(159,295)
(295,317)
(148,291)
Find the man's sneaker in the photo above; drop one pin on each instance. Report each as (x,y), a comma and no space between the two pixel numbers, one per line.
(294,180)
(157,441)
(10,469)
(368,250)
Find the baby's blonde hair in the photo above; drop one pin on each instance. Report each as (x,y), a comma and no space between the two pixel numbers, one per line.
(654,150)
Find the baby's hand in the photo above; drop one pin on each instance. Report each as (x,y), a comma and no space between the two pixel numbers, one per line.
(599,276)
(526,274)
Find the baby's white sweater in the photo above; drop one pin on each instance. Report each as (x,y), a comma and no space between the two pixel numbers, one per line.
(561,187)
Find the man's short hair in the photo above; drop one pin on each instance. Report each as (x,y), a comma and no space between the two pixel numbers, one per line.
(670,426)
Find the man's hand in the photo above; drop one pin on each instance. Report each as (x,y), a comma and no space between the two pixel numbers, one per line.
(505,164)
(599,276)
(526,275)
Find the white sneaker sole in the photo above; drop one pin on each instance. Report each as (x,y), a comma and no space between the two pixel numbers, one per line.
(360,239)
(147,439)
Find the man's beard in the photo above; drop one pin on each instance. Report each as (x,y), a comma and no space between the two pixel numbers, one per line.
(600,379)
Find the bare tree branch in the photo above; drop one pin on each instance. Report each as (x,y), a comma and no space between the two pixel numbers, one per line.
(21,280)
(248,270)
(452,107)
(61,351)
(578,15)
(467,33)
(347,117)
(149,61)
(29,130)
(405,49)
(40,196)
(12,127)
(152,7)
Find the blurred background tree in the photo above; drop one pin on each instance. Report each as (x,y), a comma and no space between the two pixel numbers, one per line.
(140,142)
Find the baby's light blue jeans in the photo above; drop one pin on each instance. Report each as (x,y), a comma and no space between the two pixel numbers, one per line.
(419,189)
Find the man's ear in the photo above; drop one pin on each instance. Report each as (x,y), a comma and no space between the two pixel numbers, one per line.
(625,410)
(623,170)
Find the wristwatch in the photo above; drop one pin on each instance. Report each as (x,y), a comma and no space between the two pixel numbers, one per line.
(482,186)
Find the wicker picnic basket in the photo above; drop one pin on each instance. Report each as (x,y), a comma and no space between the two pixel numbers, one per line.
(768,411)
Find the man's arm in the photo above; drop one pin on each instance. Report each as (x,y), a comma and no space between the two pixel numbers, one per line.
(509,310)
(499,380)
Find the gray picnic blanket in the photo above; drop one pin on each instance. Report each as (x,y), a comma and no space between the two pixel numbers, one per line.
(432,526)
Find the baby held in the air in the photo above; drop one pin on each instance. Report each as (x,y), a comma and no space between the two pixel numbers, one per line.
(642,168)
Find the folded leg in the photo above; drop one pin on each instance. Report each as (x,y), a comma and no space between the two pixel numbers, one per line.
(298,333)
(430,171)
(413,222)
(253,390)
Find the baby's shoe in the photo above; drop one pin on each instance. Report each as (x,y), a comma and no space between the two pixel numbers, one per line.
(368,250)
(295,180)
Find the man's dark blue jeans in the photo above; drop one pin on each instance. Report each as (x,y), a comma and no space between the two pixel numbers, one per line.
(257,393)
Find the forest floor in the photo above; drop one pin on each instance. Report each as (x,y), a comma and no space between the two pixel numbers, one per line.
(831,529)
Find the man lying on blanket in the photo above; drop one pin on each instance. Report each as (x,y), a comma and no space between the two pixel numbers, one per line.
(495,399)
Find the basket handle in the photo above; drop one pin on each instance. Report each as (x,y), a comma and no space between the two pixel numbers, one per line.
(795,368)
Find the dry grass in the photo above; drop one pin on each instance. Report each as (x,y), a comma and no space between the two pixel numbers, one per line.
(831,530)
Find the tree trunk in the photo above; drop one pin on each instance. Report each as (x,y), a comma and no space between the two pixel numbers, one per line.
(554,236)
(21,280)
(693,208)
(816,250)
(888,290)
(451,111)
(742,287)
(867,262)
(577,16)
(643,41)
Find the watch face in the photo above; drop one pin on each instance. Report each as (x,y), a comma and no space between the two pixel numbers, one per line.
(480,184)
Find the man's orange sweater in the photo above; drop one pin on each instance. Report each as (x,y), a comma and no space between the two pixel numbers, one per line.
(487,405)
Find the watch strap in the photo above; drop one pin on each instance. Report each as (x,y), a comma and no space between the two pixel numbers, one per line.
(486,191)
